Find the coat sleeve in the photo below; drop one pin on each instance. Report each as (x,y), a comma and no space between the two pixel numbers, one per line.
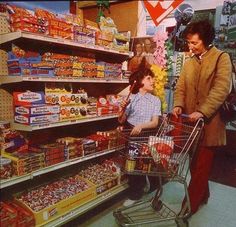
(220,87)
(179,94)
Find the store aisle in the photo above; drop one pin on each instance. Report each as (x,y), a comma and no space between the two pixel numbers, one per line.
(219,212)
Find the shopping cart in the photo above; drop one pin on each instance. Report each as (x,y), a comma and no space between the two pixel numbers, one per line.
(166,153)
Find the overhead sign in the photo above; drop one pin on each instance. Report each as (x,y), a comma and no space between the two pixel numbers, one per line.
(159,10)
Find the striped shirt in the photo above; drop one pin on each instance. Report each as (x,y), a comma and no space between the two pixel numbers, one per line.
(142,108)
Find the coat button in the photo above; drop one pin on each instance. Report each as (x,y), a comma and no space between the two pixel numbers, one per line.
(197,102)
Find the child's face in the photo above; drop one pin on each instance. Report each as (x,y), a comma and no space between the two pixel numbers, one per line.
(148,83)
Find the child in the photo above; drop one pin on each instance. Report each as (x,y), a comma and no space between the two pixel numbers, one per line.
(142,111)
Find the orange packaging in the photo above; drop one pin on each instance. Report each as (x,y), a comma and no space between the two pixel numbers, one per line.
(72,112)
(44,13)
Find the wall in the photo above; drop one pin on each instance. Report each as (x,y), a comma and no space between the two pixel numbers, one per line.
(125,15)
(170,21)
(203,4)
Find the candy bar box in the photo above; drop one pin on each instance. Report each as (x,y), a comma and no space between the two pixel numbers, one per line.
(65,99)
(28,98)
(37,109)
(72,112)
(36,120)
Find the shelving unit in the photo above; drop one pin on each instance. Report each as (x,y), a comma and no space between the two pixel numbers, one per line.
(16,180)
(30,128)
(87,206)
(24,36)
(17,79)
(7,85)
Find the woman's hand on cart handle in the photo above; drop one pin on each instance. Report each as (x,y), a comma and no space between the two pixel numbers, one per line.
(195,116)
(177,111)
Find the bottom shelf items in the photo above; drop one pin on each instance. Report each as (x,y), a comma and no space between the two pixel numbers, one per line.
(87,206)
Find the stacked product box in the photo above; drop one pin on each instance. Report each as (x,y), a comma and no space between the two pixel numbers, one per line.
(11,140)
(20,61)
(5,168)
(62,63)
(112,136)
(24,163)
(84,35)
(30,108)
(59,28)
(89,146)
(53,153)
(25,20)
(73,146)
(89,67)
(50,201)
(73,106)
(113,71)
(92,107)
(121,41)
(100,69)
(107,105)
(100,141)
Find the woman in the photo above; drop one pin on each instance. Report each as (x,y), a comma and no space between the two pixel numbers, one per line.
(203,85)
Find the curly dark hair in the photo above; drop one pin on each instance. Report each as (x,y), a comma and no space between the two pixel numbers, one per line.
(137,76)
(203,28)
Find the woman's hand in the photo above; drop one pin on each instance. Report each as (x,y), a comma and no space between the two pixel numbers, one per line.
(177,111)
(136,130)
(195,116)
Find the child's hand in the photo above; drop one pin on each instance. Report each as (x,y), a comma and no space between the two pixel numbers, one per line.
(124,103)
(136,130)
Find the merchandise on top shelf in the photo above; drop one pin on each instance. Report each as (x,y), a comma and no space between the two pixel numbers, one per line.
(44,13)
(25,20)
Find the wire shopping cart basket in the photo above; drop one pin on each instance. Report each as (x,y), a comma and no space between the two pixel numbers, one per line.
(165,152)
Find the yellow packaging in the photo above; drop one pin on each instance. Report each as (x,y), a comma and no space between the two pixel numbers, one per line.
(106,185)
(130,165)
(61,208)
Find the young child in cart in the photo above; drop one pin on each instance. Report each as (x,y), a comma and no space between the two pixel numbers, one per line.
(141,112)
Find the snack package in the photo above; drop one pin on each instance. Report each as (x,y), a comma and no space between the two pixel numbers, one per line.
(161,149)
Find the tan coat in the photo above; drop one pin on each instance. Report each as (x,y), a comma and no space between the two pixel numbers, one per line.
(201,87)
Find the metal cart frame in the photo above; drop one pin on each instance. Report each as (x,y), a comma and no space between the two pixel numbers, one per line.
(183,137)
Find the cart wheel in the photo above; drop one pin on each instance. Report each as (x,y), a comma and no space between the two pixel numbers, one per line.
(182,223)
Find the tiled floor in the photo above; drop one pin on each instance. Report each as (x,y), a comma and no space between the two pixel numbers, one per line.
(219,212)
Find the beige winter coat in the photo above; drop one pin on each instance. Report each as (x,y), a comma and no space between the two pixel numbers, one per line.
(203,87)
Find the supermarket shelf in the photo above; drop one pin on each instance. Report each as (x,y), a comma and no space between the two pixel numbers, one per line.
(86,207)
(29,128)
(8,37)
(16,180)
(17,79)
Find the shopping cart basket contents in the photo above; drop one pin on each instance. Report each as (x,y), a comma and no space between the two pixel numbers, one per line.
(163,152)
